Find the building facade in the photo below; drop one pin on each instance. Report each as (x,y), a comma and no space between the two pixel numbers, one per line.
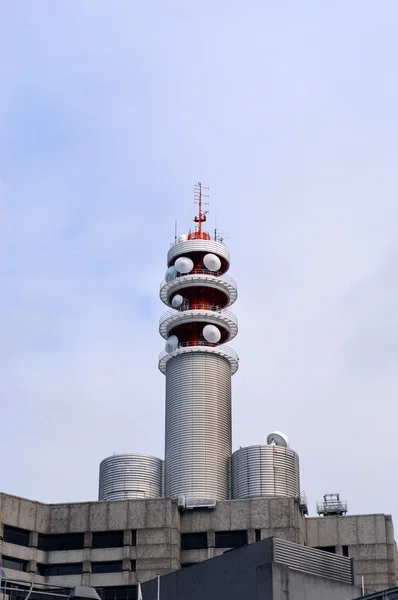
(115,544)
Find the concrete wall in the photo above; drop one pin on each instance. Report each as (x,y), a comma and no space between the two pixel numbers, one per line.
(274,517)
(158,536)
(158,524)
(370,541)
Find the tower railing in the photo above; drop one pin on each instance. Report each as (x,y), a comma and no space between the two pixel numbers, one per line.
(196,345)
(211,239)
(204,307)
(220,276)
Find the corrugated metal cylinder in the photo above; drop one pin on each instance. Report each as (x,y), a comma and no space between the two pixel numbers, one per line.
(198,426)
(130,476)
(265,471)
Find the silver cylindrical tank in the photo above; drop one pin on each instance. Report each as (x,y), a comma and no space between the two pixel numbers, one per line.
(130,476)
(265,471)
(198,426)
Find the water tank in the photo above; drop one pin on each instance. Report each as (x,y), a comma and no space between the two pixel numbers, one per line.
(265,471)
(124,476)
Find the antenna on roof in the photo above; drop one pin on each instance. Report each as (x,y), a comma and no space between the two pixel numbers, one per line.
(221,236)
(200,193)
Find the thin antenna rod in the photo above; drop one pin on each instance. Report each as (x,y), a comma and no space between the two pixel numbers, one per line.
(175,231)
(201,217)
(200,211)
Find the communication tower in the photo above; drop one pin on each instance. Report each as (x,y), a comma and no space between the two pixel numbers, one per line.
(197,364)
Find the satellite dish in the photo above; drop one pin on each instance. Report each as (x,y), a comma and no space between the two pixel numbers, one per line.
(182,238)
(183,264)
(212,262)
(177,301)
(171,343)
(277,438)
(211,333)
(171,273)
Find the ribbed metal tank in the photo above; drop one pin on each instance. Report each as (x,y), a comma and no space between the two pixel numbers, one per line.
(198,426)
(265,471)
(124,476)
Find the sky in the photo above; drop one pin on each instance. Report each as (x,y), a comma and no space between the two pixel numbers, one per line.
(110,112)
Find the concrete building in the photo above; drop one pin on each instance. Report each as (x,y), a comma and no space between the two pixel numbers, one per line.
(115,544)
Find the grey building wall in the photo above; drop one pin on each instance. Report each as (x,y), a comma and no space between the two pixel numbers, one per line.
(156,522)
(294,585)
(369,540)
(159,525)
(227,577)
(248,573)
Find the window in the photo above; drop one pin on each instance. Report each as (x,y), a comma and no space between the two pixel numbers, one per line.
(120,592)
(114,566)
(61,541)
(14,563)
(60,569)
(14,535)
(257,533)
(231,539)
(108,539)
(194,541)
(331,549)
(345,551)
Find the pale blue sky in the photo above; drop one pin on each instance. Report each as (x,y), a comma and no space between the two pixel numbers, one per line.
(110,111)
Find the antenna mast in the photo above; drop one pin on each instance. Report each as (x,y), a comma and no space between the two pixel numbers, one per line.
(200,193)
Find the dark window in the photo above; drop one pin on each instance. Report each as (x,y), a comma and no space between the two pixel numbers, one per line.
(114,566)
(14,535)
(14,563)
(345,551)
(60,569)
(121,592)
(331,549)
(134,537)
(258,534)
(231,539)
(194,541)
(185,565)
(61,541)
(107,539)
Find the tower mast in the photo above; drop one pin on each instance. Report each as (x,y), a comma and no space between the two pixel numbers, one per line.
(197,364)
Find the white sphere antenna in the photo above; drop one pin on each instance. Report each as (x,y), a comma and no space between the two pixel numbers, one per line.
(171,273)
(212,262)
(277,438)
(177,301)
(171,343)
(182,237)
(211,333)
(183,264)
